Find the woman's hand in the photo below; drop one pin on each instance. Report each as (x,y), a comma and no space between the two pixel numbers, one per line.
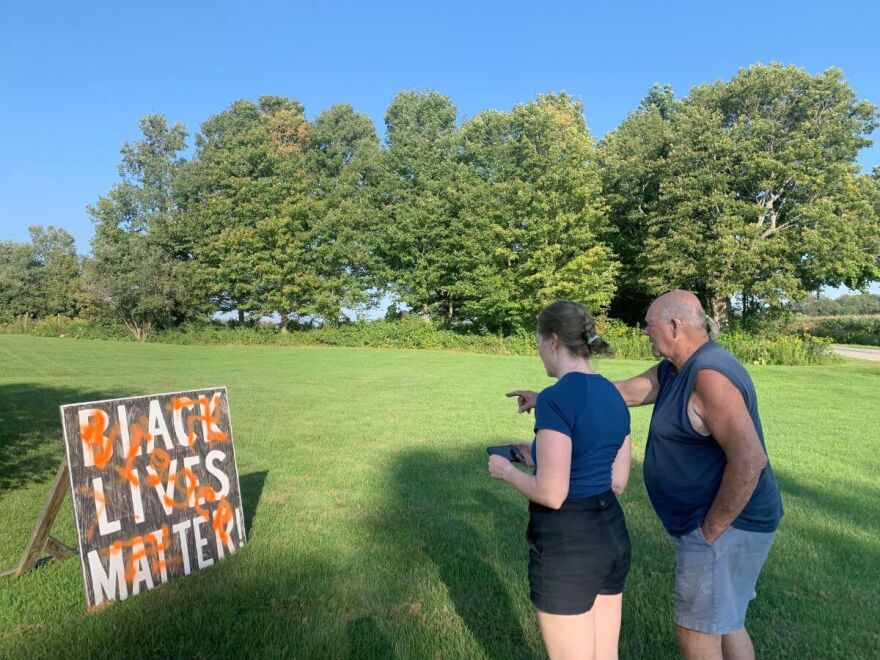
(525,451)
(525,399)
(499,466)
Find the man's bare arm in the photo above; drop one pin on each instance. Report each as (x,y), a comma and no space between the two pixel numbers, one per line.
(721,406)
(639,390)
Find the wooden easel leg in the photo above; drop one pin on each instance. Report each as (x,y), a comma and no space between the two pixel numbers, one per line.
(59,550)
(40,535)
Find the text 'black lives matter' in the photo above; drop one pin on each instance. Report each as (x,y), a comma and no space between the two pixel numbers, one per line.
(155,488)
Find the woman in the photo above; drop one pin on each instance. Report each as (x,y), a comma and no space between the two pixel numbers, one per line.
(579,549)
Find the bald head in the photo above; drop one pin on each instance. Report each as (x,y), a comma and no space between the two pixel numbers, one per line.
(684,306)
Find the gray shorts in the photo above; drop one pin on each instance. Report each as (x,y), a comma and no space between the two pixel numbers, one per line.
(714,582)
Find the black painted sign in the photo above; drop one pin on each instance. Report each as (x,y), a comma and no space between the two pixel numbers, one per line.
(155,488)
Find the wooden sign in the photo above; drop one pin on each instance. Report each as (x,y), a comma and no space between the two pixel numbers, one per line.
(155,489)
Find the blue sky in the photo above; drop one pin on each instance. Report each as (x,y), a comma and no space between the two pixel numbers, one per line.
(76,76)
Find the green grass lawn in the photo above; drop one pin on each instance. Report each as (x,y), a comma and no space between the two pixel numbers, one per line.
(374,529)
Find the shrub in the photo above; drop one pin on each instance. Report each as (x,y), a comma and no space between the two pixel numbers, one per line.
(778,349)
(77,328)
(411,332)
(628,343)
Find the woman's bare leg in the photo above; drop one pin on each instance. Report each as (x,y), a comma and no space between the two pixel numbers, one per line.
(607,612)
(569,637)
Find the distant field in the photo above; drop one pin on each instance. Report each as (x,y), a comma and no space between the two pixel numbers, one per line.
(374,530)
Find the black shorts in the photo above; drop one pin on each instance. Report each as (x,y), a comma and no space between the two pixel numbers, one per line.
(577,553)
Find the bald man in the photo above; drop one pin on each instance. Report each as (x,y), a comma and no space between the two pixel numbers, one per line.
(707,474)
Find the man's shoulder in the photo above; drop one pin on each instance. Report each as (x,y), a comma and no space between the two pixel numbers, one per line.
(712,354)
(717,358)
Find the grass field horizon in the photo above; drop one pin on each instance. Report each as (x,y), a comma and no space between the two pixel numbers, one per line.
(374,529)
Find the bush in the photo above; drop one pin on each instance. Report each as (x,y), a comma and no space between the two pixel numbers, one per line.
(214,333)
(778,349)
(627,343)
(77,328)
(415,333)
(412,332)
(843,329)
(409,332)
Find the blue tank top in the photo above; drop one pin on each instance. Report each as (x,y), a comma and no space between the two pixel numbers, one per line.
(589,410)
(682,468)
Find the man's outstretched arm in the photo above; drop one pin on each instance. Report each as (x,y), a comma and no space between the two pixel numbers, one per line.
(639,390)
(636,391)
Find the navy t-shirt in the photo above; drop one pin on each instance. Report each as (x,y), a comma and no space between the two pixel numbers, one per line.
(682,468)
(589,410)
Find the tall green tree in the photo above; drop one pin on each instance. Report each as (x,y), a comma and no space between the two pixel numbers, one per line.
(424,245)
(759,201)
(342,160)
(41,277)
(241,200)
(134,275)
(18,296)
(543,212)
(632,158)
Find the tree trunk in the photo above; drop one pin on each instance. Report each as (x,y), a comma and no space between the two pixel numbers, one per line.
(283,322)
(719,310)
(139,329)
(241,316)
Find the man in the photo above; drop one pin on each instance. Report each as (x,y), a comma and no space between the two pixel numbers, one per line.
(707,475)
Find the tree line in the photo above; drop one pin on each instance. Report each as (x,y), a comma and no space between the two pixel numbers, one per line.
(866,304)
(745,191)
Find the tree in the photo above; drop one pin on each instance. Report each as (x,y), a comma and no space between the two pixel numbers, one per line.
(423,243)
(632,160)
(241,199)
(54,251)
(543,214)
(864,303)
(17,295)
(133,275)
(39,278)
(342,159)
(759,200)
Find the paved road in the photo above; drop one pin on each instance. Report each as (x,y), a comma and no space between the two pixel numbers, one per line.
(857,352)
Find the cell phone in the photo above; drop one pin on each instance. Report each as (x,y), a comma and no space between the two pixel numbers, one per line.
(510,452)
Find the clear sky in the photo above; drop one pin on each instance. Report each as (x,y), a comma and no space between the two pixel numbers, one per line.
(76,76)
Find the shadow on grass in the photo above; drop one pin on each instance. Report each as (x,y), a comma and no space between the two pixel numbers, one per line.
(473,534)
(472,530)
(366,640)
(818,594)
(251,490)
(31,445)
(857,507)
